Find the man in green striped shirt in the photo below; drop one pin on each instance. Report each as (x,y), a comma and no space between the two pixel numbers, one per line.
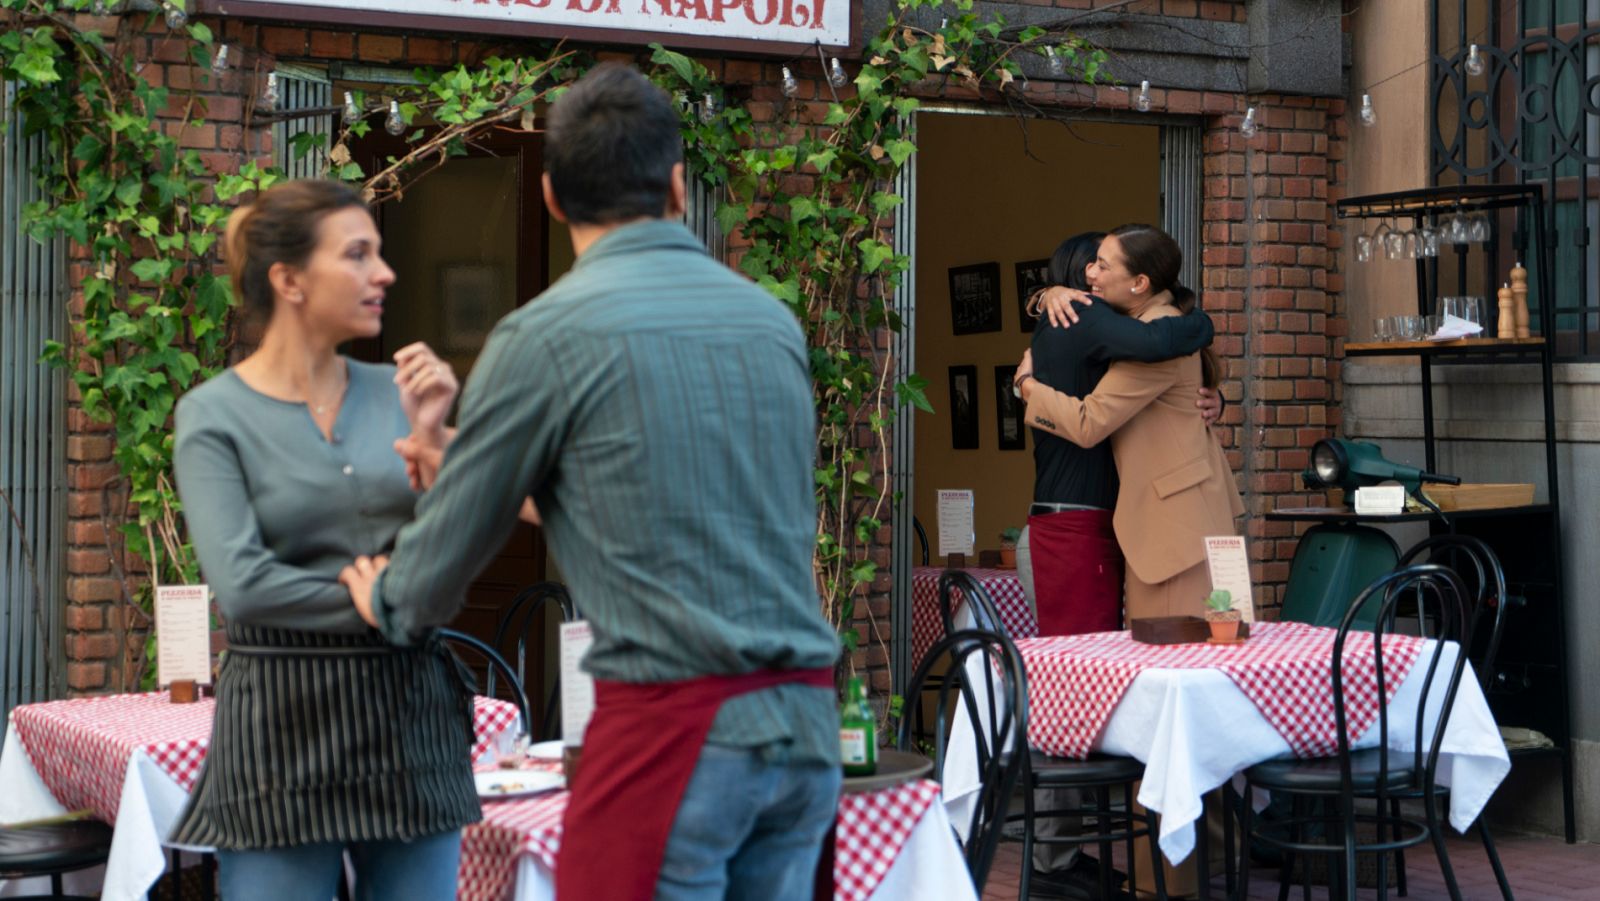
(657,408)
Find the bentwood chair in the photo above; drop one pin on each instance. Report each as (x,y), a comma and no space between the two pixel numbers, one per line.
(1485,579)
(460,641)
(53,848)
(1375,775)
(922,538)
(525,620)
(996,707)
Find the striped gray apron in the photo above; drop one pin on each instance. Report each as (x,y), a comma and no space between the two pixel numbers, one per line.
(321,737)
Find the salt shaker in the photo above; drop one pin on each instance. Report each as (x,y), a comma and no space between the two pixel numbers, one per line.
(1508,316)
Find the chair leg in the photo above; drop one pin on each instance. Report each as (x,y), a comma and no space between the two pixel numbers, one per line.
(55,885)
(1436,832)
(1202,854)
(208,877)
(1400,854)
(1228,811)
(1383,856)
(1133,866)
(1348,859)
(1102,798)
(1157,870)
(1027,834)
(1246,814)
(1494,860)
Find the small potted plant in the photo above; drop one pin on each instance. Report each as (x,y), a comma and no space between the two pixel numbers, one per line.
(1223,618)
(1008,547)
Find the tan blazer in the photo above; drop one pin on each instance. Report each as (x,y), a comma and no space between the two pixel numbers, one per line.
(1177,487)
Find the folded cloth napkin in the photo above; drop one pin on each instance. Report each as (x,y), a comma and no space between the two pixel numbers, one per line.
(1453,327)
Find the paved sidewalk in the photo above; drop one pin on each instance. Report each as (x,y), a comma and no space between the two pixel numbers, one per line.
(1539,867)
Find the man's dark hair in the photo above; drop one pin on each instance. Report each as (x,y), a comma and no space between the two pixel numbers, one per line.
(610,147)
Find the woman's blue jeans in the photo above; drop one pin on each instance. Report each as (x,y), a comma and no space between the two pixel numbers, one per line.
(423,869)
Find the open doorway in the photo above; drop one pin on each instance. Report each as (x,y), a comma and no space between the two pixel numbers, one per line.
(993,201)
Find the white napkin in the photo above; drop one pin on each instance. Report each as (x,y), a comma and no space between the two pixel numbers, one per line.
(1453,327)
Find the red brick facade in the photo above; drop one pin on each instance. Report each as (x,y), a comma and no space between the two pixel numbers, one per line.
(1271,281)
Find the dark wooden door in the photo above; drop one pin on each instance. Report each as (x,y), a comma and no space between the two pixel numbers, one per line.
(468,245)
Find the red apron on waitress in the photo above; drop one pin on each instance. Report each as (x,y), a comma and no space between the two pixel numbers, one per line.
(639,753)
(1077,572)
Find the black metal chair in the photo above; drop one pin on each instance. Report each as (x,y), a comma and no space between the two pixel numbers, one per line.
(53,848)
(523,618)
(1484,623)
(922,538)
(458,641)
(1369,775)
(985,615)
(998,711)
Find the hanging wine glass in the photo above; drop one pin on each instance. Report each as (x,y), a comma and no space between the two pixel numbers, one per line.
(1458,231)
(1394,244)
(1380,237)
(1478,228)
(1363,248)
(1430,240)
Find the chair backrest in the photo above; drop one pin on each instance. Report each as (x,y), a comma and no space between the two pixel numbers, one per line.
(1438,591)
(996,708)
(985,615)
(458,641)
(523,620)
(922,538)
(1486,614)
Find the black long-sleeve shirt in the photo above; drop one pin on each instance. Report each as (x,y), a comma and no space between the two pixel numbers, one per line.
(1073,360)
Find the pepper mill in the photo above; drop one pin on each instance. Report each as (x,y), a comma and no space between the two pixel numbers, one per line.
(1508,316)
(1519,295)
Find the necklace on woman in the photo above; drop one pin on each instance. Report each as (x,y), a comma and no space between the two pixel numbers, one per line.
(319,409)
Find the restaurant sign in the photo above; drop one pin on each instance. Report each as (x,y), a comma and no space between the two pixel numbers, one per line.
(750,24)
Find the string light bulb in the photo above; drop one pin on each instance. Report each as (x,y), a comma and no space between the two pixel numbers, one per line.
(836,76)
(269,96)
(790,86)
(1142,102)
(352,113)
(1369,115)
(100,8)
(708,108)
(1248,126)
(1474,64)
(176,17)
(1058,65)
(220,63)
(395,123)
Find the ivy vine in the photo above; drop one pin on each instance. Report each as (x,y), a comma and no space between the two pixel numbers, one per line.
(810,191)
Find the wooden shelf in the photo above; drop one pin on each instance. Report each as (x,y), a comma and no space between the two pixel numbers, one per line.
(1444,348)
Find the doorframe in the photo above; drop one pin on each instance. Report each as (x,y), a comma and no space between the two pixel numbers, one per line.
(1181,199)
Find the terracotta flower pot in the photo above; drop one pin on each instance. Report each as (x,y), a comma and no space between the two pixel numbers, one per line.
(1008,556)
(1224,624)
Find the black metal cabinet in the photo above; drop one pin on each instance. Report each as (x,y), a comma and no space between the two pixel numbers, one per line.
(1529,686)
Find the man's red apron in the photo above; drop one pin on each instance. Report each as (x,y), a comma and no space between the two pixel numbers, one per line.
(639,752)
(1077,572)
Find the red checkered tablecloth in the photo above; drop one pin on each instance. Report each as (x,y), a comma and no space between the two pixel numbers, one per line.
(81,748)
(1003,586)
(1285,669)
(872,829)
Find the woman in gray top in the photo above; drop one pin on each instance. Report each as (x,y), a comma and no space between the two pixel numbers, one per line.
(327,739)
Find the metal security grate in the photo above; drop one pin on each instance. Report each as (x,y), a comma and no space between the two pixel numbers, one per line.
(1531,117)
(32,434)
(302,88)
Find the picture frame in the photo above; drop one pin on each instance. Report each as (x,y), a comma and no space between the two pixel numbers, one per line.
(1008,411)
(964,407)
(975,298)
(1031,276)
(467,302)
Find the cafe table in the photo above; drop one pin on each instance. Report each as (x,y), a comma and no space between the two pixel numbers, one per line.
(1198,715)
(892,844)
(131,759)
(1004,587)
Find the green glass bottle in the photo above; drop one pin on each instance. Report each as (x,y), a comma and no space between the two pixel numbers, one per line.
(858,731)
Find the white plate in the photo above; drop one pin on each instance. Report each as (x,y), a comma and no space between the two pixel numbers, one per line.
(516,783)
(546,750)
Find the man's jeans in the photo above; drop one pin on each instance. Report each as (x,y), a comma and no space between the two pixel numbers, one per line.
(749,829)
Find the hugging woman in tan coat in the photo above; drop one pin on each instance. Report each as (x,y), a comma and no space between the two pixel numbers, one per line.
(1176,485)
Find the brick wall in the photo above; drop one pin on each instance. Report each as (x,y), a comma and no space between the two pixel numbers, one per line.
(1270,281)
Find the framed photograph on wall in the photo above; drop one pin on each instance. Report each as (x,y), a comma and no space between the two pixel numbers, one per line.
(975,298)
(964,407)
(1008,410)
(467,301)
(1031,276)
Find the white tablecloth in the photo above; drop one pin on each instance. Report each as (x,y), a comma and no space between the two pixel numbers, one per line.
(1194,729)
(929,866)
